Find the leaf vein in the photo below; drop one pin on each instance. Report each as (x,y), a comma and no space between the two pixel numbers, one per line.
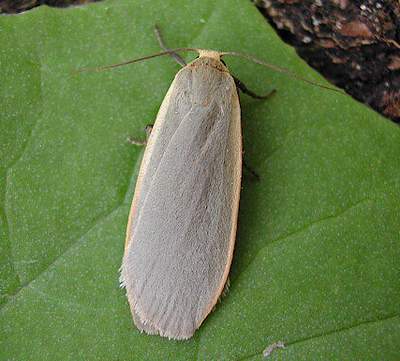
(98,220)
(323,334)
(300,230)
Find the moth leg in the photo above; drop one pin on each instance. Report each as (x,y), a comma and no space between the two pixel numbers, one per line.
(251,171)
(134,141)
(160,40)
(247,91)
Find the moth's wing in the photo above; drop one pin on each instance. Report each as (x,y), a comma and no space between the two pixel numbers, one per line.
(157,143)
(159,139)
(177,260)
(146,327)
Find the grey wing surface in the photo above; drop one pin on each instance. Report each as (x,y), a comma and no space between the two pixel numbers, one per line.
(180,248)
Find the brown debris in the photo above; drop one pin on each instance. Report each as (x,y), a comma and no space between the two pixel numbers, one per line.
(327,43)
(356,29)
(355,44)
(391,103)
(395,63)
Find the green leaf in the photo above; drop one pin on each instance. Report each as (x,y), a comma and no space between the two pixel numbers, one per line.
(316,261)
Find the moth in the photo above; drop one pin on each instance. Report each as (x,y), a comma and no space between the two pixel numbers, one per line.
(182,223)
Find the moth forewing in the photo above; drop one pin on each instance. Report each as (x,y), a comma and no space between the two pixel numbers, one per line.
(182,225)
(144,169)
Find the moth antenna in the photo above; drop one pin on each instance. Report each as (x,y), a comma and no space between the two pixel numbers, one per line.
(160,39)
(162,53)
(279,70)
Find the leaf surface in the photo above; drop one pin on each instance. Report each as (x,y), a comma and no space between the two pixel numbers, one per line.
(316,260)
